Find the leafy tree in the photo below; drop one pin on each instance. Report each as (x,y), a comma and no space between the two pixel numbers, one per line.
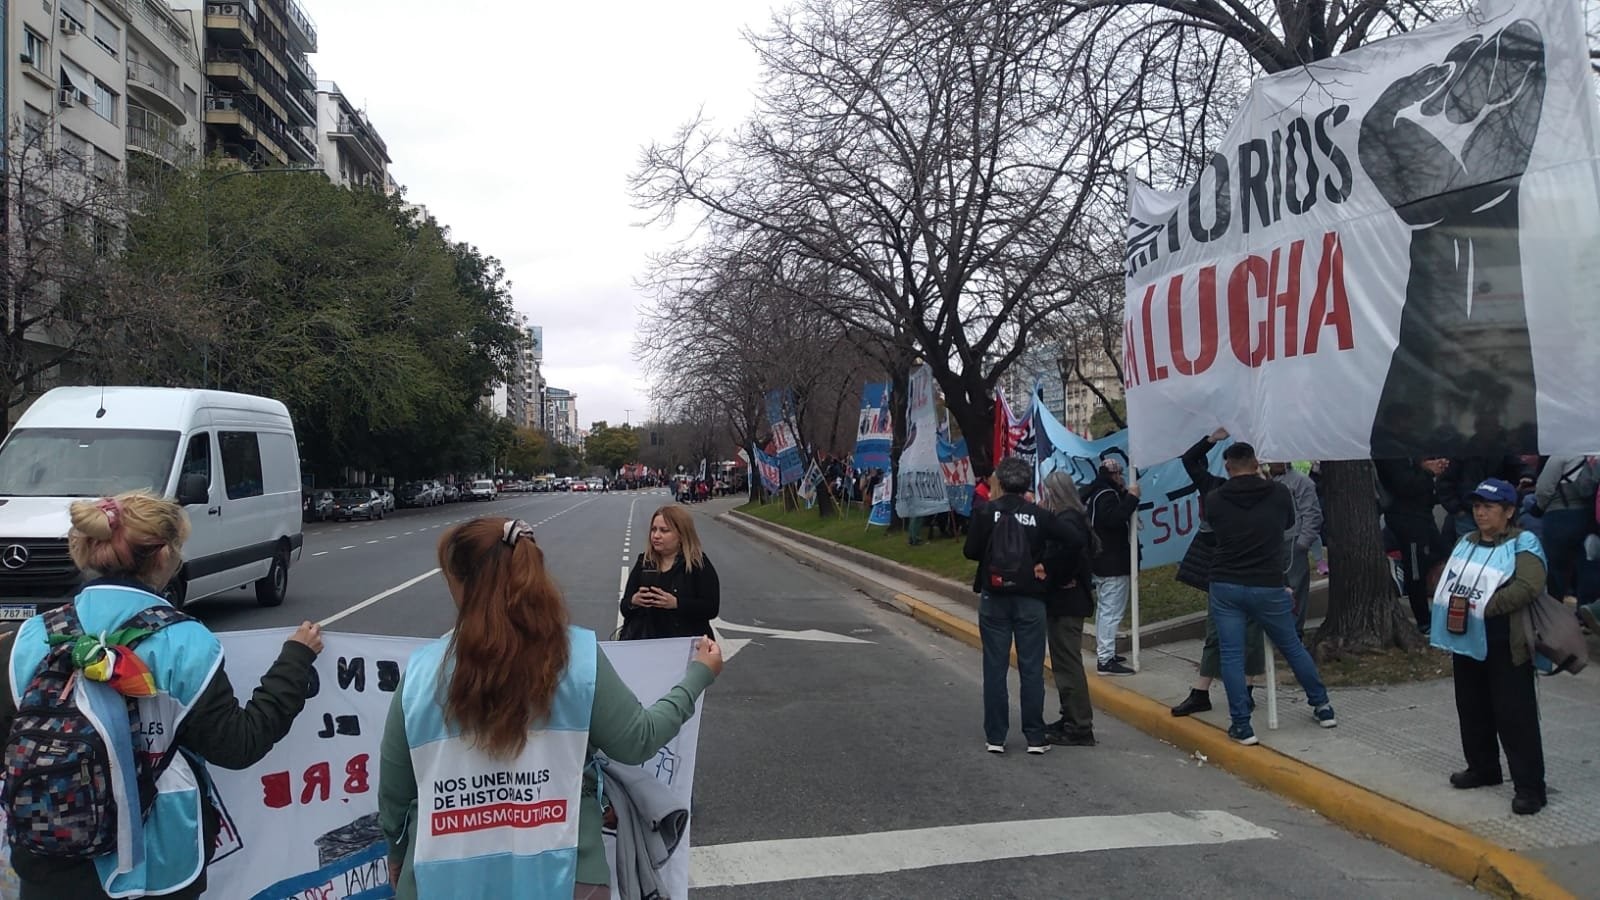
(610,448)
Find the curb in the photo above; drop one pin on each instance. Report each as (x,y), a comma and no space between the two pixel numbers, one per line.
(1481,864)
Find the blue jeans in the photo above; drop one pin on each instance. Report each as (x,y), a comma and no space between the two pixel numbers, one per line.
(1232,605)
(1564,531)
(1002,617)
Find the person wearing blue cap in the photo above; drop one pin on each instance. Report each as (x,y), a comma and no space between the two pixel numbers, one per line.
(1480,615)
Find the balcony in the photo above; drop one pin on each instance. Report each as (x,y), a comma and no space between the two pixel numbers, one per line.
(152,135)
(301,144)
(242,119)
(230,25)
(247,70)
(302,32)
(164,23)
(158,88)
(356,135)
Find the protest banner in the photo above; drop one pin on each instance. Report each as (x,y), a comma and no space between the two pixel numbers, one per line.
(785,443)
(875,431)
(882,502)
(1013,435)
(302,823)
(919,490)
(767,468)
(1390,254)
(1169,506)
(809,484)
(956,466)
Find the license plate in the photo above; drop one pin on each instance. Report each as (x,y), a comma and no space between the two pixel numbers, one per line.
(16,613)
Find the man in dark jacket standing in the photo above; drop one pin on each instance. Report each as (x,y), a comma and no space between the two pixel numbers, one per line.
(1111,504)
(1249,515)
(1007,538)
(1413,492)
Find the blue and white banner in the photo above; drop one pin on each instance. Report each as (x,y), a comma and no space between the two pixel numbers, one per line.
(809,484)
(875,430)
(959,482)
(1169,509)
(785,444)
(767,468)
(882,502)
(920,491)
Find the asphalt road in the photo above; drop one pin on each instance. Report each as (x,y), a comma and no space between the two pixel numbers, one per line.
(837,718)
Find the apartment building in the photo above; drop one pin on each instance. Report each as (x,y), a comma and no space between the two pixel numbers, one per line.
(100,82)
(561,416)
(1064,393)
(351,151)
(260,103)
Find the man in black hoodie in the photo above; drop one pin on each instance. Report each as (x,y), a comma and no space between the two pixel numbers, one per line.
(1007,538)
(1112,505)
(1249,515)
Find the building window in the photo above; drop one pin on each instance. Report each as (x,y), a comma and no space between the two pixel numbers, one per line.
(191,100)
(75,10)
(104,101)
(105,165)
(36,49)
(76,153)
(105,238)
(35,128)
(108,34)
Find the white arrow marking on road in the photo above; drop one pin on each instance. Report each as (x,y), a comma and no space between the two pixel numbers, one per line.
(809,634)
(763,862)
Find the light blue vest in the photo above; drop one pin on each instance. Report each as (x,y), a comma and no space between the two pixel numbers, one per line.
(486,824)
(1479,571)
(183,658)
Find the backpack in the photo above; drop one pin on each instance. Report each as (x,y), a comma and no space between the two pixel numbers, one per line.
(1009,558)
(57,790)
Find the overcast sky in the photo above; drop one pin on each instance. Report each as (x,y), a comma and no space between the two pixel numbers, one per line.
(518,124)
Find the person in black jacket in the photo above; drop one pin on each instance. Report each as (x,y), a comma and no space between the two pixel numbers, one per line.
(1111,506)
(1413,493)
(1068,572)
(673,589)
(1195,571)
(1249,515)
(1013,610)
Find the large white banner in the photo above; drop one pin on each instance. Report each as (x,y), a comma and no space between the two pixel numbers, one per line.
(302,824)
(1392,253)
(919,488)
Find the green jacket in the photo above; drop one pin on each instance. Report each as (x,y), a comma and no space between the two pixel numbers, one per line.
(1515,596)
(619,727)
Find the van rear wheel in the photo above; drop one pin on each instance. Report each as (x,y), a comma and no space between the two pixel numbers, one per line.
(271,590)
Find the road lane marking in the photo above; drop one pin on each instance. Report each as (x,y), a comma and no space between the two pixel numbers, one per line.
(323,553)
(351,547)
(763,862)
(371,542)
(377,597)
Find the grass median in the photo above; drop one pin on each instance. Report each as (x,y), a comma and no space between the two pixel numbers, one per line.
(1161,597)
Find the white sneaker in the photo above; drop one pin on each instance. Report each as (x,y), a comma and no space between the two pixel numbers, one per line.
(995,748)
(1038,748)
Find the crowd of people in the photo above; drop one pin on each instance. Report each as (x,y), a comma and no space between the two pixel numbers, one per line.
(512,688)
(1475,543)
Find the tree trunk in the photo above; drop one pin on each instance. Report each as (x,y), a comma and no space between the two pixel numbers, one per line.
(1364,612)
(899,393)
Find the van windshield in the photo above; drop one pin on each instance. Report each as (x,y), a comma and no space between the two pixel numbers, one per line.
(85,462)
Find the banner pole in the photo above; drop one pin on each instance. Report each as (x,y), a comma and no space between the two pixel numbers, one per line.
(1272,687)
(1133,581)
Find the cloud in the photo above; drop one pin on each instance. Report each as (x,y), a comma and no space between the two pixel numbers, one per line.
(517,125)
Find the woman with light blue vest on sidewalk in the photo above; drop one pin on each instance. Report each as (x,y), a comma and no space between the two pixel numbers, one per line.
(486,787)
(1480,615)
(121,660)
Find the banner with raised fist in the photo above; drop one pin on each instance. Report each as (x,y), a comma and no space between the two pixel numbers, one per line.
(1391,253)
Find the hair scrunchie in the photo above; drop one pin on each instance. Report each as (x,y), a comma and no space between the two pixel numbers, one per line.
(514,530)
(113,510)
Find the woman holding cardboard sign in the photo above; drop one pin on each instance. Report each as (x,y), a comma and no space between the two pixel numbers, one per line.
(487,747)
(673,589)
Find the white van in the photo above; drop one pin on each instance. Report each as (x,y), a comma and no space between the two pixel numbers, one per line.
(231,459)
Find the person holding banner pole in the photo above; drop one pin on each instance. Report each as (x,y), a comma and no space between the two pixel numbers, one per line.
(493,731)
(1112,506)
(163,672)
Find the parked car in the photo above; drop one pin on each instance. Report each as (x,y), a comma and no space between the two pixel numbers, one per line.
(231,459)
(316,506)
(354,503)
(482,489)
(416,494)
(451,493)
(388,499)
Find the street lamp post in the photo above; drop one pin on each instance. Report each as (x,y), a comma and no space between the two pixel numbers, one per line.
(205,238)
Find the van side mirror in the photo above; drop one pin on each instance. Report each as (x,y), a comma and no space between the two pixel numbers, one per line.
(192,489)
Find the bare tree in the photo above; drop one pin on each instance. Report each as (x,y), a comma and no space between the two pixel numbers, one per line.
(941,159)
(70,315)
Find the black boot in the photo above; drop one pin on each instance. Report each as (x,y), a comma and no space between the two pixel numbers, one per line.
(1198,701)
(1526,802)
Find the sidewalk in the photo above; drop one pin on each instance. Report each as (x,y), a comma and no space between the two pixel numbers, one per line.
(1382,772)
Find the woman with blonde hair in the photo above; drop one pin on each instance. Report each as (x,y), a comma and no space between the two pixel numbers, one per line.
(486,752)
(673,589)
(126,650)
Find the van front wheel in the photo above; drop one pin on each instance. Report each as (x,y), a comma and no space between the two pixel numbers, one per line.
(271,590)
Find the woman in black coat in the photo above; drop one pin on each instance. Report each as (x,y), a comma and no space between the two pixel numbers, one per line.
(673,589)
(1068,601)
